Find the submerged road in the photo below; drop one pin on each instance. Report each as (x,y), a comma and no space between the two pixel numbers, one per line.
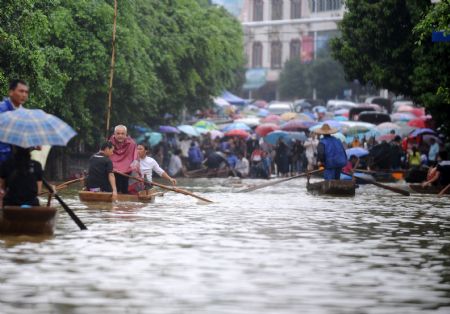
(275,250)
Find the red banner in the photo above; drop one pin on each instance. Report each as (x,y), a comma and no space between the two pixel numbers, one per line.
(307,48)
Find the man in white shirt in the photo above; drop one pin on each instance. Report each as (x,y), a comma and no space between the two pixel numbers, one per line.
(242,167)
(147,165)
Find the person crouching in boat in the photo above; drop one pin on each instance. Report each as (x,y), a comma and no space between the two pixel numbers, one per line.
(330,153)
(20,179)
(100,174)
(440,174)
(146,165)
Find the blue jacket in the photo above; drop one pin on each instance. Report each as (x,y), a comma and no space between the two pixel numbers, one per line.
(195,155)
(334,152)
(5,106)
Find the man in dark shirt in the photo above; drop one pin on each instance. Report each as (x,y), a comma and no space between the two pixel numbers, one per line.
(100,175)
(20,179)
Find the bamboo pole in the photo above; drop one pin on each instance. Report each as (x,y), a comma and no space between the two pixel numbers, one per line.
(111,70)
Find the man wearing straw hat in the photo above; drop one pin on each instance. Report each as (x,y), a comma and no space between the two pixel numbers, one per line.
(330,153)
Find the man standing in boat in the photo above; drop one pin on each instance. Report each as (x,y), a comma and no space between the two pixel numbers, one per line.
(124,154)
(330,153)
(18,95)
(100,175)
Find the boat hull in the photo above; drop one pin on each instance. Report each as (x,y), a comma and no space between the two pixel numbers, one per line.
(427,190)
(16,220)
(332,187)
(104,197)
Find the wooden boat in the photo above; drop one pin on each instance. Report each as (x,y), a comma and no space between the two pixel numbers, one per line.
(332,187)
(16,220)
(418,188)
(104,197)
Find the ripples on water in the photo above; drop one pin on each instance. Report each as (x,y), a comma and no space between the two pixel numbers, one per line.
(274,250)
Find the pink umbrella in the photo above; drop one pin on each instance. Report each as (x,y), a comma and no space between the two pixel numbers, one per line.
(264,129)
(271,119)
(295,125)
(387,126)
(386,137)
(405,108)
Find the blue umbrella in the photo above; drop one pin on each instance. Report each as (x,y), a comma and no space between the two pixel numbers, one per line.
(33,127)
(273,137)
(189,130)
(263,113)
(236,126)
(357,151)
(152,138)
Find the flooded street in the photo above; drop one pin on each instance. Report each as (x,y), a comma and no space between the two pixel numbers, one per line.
(274,250)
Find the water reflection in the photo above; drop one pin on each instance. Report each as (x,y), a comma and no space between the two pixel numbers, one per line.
(275,250)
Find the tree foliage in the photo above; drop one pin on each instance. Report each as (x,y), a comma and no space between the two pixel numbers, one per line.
(170,55)
(325,75)
(388,44)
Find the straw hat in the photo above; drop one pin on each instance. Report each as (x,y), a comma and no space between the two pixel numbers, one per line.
(326,129)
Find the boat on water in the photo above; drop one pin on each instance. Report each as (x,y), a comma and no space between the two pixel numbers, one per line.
(418,188)
(15,220)
(104,197)
(332,187)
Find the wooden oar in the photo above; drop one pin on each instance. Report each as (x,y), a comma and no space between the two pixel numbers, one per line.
(64,205)
(383,186)
(260,186)
(169,188)
(442,192)
(64,185)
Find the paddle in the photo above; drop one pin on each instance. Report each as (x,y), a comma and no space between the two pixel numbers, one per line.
(64,185)
(383,186)
(442,192)
(64,205)
(260,186)
(164,187)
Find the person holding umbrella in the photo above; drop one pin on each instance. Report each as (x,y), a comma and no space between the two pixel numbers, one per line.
(330,153)
(18,95)
(20,179)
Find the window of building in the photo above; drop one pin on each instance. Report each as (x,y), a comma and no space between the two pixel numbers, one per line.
(296,9)
(324,5)
(257,55)
(258,10)
(277,9)
(275,57)
(295,49)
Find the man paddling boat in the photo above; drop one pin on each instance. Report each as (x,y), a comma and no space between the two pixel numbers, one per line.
(146,165)
(100,175)
(440,175)
(330,153)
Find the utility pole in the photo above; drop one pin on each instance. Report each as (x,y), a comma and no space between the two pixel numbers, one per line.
(111,71)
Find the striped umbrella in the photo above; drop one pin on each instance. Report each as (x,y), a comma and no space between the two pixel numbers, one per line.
(33,127)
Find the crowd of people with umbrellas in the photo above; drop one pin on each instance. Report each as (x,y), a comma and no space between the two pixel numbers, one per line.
(258,144)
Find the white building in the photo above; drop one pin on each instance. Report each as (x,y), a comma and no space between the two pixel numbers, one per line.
(278,30)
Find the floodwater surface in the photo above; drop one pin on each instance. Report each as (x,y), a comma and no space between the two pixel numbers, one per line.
(275,250)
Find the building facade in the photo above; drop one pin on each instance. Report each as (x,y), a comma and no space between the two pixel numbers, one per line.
(276,31)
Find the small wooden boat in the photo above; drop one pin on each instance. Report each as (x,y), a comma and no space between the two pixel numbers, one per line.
(418,188)
(104,197)
(332,187)
(16,220)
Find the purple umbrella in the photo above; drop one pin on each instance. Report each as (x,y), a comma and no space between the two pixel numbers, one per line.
(418,132)
(168,129)
(298,124)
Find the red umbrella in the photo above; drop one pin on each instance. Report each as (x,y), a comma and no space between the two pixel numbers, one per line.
(240,133)
(264,129)
(418,123)
(418,112)
(271,119)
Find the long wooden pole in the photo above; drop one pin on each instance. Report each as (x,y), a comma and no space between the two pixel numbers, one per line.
(111,71)
(442,192)
(165,187)
(383,186)
(260,186)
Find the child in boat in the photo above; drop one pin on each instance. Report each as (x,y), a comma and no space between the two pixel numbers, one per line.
(20,179)
(100,175)
(146,165)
